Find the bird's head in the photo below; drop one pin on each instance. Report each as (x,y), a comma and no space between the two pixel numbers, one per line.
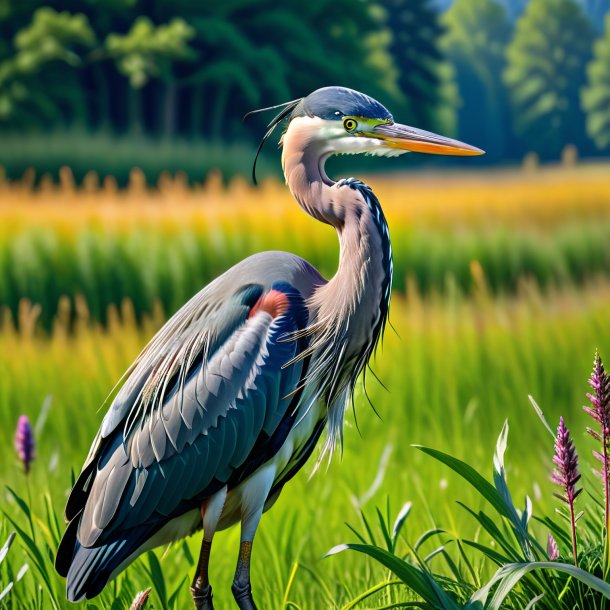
(343,121)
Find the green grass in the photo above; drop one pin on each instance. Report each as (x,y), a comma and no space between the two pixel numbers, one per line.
(112,155)
(168,265)
(455,370)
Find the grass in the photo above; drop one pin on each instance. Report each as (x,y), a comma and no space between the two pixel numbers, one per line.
(529,573)
(456,368)
(165,243)
(502,285)
(114,155)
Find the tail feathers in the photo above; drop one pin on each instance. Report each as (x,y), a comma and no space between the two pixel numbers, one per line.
(89,569)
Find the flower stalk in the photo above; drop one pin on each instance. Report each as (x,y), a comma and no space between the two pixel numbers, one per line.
(600,412)
(566,476)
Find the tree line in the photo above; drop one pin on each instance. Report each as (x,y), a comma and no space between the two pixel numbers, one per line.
(508,80)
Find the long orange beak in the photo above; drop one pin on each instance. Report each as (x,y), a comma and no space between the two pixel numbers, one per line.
(404,137)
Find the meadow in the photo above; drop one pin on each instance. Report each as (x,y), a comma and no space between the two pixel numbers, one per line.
(502,290)
(162,244)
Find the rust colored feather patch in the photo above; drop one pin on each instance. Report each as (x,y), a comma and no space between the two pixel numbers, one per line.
(275,303)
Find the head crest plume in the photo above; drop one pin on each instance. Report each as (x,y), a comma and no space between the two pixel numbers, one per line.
(287,108)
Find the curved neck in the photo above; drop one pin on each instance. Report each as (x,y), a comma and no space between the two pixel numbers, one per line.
(360,289)
(303,159)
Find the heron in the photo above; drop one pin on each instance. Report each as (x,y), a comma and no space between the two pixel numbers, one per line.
(229,399)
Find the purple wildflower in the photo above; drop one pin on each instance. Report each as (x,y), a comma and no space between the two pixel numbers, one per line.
(140,600)
(552,550)
(600,412)
(24,442)
(566,474)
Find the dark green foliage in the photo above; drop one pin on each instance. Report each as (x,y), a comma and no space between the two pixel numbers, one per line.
(175,67)
(596,95)
(44,58)
(422,71)
(116,156)
(475,42)
(190,70)
(545,71)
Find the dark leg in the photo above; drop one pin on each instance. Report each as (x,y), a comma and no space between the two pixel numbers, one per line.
(242,589)
(200,587)
(211,510)
(253,496)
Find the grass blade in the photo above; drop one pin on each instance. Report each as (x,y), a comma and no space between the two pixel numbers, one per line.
(469,474)
(6,546)
(416,579)
(509,575)
(399,523)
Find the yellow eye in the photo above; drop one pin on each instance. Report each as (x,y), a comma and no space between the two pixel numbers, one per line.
(349,124)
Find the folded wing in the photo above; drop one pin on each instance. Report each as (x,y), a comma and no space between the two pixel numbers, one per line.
(204,403)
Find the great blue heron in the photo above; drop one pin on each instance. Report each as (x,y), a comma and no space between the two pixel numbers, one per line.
(229,399)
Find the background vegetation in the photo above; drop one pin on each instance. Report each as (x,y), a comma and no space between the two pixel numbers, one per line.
(502,290)
(455,369)
(160,246)
(125,189)
(80,80)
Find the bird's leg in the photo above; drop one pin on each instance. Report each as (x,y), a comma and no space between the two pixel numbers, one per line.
(211,510)
(200,587)
(254,495)
(251,516)
(242,588)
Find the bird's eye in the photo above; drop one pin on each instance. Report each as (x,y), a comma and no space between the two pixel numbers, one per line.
(349,124)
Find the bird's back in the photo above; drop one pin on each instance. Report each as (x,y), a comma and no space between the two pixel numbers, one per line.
(209,400)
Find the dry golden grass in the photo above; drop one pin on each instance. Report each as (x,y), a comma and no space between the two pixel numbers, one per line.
(541,197)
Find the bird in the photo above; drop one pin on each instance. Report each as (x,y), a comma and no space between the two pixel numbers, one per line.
(230,398)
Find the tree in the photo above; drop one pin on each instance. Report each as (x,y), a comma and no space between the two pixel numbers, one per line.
(423,81)
(29,88)
(148,51)
(476,35)
(184,67)
(258,53)
(545,70)
(596,95)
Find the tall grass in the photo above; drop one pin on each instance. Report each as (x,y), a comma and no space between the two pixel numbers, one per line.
(455,368)
(164,244)
(486,313)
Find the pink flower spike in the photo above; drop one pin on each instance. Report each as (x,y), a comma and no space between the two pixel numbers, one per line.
(600,412)
(24,442)
(566,475)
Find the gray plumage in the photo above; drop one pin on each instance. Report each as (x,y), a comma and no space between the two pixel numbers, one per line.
(228,400)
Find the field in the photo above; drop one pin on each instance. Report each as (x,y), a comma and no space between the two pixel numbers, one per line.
(502,289)
(163,245)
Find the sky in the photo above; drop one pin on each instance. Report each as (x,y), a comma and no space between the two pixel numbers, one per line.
(595,8)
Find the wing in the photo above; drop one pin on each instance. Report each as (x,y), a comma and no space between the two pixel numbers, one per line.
(203,405)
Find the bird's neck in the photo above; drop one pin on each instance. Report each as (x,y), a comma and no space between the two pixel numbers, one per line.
(360,290)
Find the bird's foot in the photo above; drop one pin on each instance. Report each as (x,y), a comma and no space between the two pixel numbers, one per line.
(243,596)
(202,597)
